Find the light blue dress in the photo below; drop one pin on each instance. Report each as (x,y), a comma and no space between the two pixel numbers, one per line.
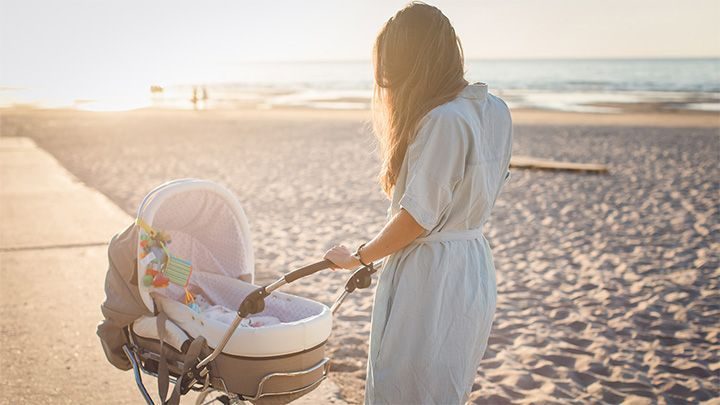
(435,299)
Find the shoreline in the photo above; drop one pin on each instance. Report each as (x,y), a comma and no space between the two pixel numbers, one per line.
(671,119)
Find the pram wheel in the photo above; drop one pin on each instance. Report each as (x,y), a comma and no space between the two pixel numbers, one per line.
(213,397)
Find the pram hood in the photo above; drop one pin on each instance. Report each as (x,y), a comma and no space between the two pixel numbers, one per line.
(207,226)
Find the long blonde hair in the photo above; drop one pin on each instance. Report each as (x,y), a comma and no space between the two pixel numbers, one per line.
(419,65)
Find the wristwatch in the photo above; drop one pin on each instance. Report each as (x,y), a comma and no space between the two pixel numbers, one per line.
(357,255)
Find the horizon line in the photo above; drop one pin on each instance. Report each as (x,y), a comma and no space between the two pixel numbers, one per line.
(501,59)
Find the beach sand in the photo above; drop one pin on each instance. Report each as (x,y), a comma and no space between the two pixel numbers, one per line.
(608,285)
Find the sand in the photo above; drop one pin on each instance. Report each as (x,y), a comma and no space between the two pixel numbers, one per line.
(607,284)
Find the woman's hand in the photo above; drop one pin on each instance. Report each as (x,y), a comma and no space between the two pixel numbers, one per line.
(399,232)
(342,258)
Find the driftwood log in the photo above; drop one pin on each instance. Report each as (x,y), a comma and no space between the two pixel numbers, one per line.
(527,162)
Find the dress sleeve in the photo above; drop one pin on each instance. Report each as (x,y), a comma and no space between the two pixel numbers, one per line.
(436,163)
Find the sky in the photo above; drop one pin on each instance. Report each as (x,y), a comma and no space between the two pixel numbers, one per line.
(87,46)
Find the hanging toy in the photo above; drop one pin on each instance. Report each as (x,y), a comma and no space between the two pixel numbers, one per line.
(177,270)
(190,301)
(163,237)
(160,281)
(161,267)
(158,254)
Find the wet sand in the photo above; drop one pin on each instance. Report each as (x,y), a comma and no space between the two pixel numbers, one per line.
(607,284)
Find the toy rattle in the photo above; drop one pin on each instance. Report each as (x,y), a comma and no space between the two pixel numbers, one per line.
(161,267)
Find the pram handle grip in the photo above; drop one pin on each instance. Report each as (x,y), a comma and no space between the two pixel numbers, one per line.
(307,270)
(361,278)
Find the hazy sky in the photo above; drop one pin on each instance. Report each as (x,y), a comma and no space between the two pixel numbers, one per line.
(83,44)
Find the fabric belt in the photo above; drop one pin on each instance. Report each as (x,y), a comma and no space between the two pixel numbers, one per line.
(445,236)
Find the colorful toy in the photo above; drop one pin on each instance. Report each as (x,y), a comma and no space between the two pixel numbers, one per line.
(161,267)
(190,301)
(178,270)
(160,281)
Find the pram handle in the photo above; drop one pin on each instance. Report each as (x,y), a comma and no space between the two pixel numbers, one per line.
(255,301)
(307,270)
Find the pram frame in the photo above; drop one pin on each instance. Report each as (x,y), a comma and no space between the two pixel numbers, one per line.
(252,304)
(132,352)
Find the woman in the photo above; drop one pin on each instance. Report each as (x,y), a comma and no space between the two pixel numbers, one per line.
(445,150)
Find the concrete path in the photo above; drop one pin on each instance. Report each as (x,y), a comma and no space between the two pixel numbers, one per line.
(53,236)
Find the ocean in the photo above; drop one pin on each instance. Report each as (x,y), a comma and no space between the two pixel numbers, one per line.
(600,86)
(597,86)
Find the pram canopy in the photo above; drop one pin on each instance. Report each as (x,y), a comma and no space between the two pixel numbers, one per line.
(208,228)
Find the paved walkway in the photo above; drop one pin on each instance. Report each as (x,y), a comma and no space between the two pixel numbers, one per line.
(53,236)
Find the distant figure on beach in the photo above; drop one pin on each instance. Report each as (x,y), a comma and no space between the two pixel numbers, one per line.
(199,102)
(194,98)
(445,147)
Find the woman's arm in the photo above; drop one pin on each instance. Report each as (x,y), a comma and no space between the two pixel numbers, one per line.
(399,232)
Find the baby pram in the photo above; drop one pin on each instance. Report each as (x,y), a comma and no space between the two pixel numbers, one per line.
(191,241)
